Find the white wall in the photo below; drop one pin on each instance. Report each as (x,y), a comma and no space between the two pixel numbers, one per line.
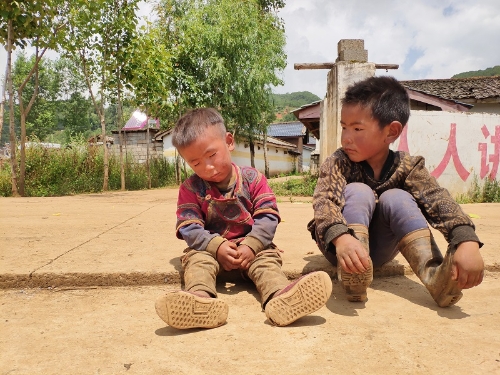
(279,162)
(169,151)
(457,146)
(306,159)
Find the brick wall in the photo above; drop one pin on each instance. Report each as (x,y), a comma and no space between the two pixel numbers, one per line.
(136,143)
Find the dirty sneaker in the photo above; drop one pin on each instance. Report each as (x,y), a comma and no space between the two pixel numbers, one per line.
(183,310)
(300,298)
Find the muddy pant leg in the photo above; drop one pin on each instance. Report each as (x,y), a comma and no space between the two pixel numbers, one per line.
(200,271)
(265,272)
(396,215)
(359,204)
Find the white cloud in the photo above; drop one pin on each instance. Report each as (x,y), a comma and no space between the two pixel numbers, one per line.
(428,39)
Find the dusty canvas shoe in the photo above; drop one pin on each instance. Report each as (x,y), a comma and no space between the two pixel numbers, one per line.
(300,298)
(185,310)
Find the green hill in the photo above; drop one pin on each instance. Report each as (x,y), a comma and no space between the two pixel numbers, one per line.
(284,103)
(489,72)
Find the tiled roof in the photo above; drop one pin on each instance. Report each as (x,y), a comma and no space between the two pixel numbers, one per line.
(458,88)
(139,121)
(286,129)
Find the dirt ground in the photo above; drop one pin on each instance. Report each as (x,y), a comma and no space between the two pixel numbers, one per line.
(79,277)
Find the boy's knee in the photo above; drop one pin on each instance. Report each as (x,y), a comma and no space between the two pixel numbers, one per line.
(359,192)
(197,257)
(395,197)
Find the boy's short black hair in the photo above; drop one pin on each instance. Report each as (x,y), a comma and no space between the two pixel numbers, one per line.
(193,124)
(385,96)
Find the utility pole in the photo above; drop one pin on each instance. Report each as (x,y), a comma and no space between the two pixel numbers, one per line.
(351,66)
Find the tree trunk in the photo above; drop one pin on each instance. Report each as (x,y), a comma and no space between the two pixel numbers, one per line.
(24,113)
(105,184)
(177,168)
(266,159)
(100,112)
(119,115)
(252,153)
(13,160)
(147,154)
(2,103)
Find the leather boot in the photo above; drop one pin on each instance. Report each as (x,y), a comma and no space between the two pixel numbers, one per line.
(425,259)
(355,284)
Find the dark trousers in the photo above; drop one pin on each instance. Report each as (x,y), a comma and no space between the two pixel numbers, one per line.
(389,219)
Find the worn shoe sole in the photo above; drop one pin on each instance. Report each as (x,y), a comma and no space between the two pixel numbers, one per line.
(308,295)
(444,290)
(447,299)
(356,284)
(185,310)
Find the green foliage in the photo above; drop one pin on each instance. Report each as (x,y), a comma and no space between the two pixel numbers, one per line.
(225,54)
(29,21)
(284,103)
(293,100)
(78,169)
(60,105)
(303,187)
(489,192)
(151,75)
(489,72)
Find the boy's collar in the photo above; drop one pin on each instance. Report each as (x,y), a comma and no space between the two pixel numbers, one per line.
(385,169)
(231,181)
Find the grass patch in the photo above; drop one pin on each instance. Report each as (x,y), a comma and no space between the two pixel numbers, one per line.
(489,192)
(295,187)
(80,169)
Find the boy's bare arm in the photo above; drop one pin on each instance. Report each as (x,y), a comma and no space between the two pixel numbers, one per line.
(351,254)
(227,256)
(468,265)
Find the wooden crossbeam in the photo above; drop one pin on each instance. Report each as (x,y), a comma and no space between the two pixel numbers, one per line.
(329,65)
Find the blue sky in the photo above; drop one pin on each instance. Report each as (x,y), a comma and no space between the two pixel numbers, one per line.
(427,38)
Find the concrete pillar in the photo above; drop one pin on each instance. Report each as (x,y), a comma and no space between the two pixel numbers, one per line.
(351,66)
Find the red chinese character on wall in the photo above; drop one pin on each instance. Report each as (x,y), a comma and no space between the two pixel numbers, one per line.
(403,142)
(493,158)
(451,153)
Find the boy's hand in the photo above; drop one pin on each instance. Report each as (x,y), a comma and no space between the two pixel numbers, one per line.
(468,265)
(227,256)
(246,255)
(351,254)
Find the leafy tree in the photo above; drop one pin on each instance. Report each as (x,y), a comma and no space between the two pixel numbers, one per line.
(41,119)
(22,23)
(99,30)
(225,54)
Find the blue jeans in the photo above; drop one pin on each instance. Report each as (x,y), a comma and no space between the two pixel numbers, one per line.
(389,219)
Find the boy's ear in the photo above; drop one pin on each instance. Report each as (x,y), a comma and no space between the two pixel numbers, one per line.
(395,129)
(230,141)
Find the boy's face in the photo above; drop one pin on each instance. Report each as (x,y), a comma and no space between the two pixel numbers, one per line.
(210,156)
(362,138)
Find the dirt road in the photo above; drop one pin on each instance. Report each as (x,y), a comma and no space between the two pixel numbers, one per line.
(80,276)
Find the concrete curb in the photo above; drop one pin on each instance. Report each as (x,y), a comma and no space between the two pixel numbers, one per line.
(118,279)
(57,280)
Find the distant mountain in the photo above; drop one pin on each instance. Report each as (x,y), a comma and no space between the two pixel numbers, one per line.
(284,103)
(494,71)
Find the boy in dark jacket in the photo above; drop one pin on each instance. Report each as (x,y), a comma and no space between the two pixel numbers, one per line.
(371,202)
